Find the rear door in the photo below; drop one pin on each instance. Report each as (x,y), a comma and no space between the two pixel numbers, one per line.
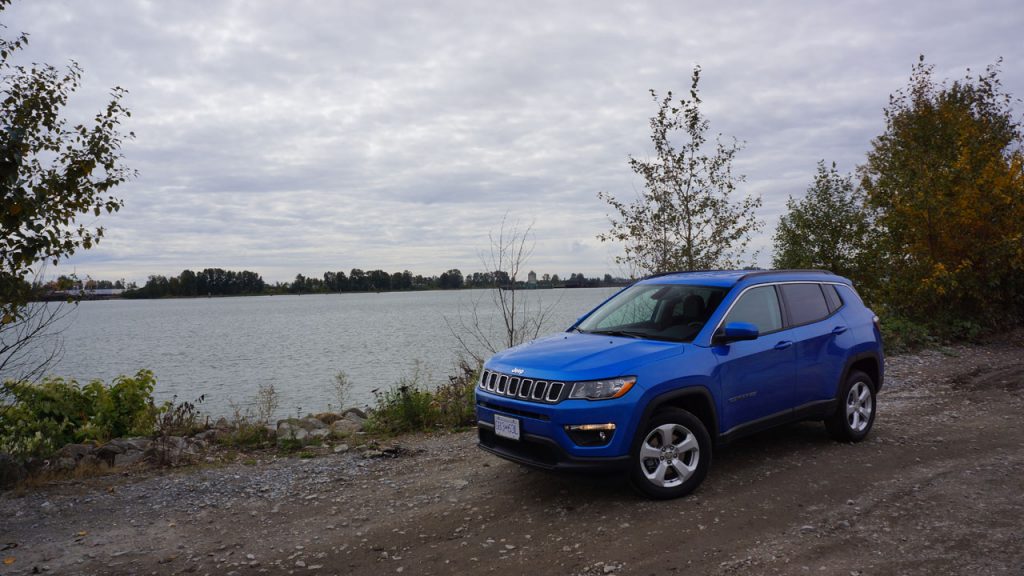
(818,336)
(757,376)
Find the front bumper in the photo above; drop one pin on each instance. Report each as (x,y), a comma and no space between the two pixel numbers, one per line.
(544,442)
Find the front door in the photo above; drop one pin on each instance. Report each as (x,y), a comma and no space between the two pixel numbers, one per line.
(757,376)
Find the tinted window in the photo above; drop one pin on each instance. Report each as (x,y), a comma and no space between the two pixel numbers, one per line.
(760,307)
(834,302)
(805,303)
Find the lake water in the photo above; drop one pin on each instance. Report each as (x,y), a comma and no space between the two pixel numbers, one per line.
(226,348)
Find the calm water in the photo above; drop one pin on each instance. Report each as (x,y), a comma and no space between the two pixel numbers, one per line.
(226,347)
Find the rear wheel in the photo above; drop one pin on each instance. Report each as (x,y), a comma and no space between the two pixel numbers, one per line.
(856,411)
(671,456)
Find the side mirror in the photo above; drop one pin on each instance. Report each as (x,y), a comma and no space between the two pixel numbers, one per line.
(734,331)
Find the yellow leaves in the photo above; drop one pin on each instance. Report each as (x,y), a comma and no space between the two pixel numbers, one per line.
(8,560)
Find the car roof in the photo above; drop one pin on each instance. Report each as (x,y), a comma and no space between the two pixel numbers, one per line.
(728,278)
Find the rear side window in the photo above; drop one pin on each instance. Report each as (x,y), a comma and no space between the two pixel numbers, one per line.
(760,307)
(805,303)
(832,297)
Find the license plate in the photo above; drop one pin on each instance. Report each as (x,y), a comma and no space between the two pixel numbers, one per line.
(506,427)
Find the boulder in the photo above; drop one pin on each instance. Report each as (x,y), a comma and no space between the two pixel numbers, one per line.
(174,451)
(11,472)
(328,418)
(123,451)
(355,412)
(345,427)
(68,457)
(303,430)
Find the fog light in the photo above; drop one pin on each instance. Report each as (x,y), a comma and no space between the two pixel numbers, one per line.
(591,434)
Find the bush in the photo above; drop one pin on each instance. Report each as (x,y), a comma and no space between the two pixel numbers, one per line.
(44,416)
(900,334)
(410,406)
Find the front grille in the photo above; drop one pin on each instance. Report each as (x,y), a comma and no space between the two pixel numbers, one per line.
(522,388)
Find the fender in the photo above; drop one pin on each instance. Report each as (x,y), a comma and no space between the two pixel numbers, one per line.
(869,354)
(698,390)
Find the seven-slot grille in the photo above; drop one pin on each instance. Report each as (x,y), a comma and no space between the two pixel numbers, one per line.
(522,388)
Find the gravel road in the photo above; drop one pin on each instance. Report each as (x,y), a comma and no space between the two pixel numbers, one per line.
(938,488)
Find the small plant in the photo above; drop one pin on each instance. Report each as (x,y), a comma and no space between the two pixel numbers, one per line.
(245,428)
(267,402)
(306,454)
(342,390)
(178,419)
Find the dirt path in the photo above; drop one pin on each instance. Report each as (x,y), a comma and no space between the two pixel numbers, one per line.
(937,489)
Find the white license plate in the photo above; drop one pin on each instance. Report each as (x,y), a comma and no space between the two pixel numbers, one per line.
(506,427)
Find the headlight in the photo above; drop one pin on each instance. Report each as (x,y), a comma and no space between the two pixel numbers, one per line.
(602,389)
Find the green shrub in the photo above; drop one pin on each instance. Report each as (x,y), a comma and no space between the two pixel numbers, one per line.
(900,334)
(410,406)
(44,416)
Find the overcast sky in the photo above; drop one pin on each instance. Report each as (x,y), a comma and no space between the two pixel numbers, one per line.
(288,137)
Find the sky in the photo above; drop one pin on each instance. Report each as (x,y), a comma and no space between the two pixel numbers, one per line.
(306,136)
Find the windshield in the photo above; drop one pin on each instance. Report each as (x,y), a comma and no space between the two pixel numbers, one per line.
(674,312)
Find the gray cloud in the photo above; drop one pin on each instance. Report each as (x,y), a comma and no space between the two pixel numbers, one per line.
(312,136)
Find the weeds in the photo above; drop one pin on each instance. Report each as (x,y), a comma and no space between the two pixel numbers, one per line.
(342,390)
(411,406)
(267,402)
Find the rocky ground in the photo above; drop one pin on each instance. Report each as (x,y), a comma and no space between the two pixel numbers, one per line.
(937,489)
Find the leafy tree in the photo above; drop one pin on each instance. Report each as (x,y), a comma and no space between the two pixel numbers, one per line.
(828,228)
(686,217)
(50,173)
(946,179)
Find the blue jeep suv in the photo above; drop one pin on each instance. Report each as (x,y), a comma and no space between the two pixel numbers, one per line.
(667,369)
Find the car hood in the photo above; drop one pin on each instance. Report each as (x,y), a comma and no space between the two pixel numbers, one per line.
(576,356)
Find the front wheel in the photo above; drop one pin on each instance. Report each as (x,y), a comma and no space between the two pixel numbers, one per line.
(856,411)
(671,456)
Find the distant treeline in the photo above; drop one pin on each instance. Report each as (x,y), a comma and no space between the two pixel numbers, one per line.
(219,282)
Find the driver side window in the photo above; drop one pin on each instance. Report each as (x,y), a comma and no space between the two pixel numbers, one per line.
(760,307)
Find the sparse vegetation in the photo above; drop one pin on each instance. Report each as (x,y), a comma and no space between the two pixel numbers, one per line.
(412,406)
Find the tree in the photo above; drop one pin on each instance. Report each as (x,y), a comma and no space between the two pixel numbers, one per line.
(828,228)
(51,174)
(946,180)
(686,217)
(519,317)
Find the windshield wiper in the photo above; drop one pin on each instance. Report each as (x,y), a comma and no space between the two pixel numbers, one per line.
(623,333)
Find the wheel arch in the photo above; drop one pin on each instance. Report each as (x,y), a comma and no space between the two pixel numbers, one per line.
(696,400)
(866,362)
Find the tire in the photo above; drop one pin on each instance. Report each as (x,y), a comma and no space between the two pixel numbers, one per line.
(671,455)
(855,413)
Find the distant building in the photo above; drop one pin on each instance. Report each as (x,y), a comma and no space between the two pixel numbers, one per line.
(531,278)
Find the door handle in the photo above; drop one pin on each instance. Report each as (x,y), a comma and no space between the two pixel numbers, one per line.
(839,330)
(783,344)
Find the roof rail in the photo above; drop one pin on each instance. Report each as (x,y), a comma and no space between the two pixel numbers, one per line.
(783,271)
(660,274)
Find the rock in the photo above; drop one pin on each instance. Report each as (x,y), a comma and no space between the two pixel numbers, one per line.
(123,451)
(174,451)
(67,458)
(11,472)
(354,412)
(807,529)
(312,423)
(460,484)
(328,418)
(208,435)
(345,427)
(341,448)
